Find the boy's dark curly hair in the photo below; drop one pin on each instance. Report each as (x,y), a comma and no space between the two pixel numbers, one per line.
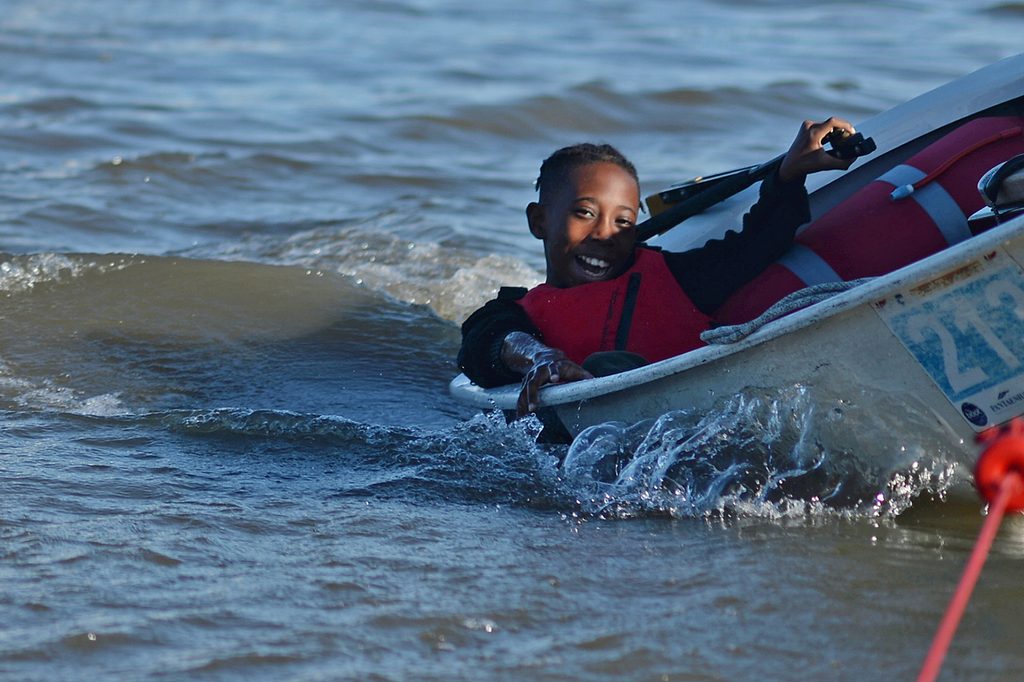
(558,165)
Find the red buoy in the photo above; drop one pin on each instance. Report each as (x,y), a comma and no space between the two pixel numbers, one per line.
(1004,455)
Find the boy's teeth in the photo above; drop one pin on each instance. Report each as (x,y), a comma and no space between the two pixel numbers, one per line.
(596,262)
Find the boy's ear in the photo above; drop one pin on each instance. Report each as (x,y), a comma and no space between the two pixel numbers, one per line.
(535,218)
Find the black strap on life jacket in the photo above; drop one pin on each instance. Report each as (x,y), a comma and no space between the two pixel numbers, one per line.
(628,306)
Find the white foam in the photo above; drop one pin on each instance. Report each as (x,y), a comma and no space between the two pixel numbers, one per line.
(450,281)
(22,273)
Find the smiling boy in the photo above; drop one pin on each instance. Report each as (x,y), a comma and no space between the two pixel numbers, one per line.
(608,304)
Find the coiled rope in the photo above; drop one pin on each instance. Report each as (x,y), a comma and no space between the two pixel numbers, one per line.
(791,303)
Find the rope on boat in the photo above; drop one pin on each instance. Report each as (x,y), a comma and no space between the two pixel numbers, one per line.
(791,303)
(999,478)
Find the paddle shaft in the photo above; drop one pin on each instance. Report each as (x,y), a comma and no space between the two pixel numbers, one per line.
(699,203)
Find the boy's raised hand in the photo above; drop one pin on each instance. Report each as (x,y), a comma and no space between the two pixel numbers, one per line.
(807,153)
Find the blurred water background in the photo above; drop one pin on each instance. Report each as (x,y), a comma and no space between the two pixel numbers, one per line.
(236,242)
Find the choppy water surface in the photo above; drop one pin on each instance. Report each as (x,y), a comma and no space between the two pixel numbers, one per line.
(236,240)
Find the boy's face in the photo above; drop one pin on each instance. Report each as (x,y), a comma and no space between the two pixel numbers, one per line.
(587,224)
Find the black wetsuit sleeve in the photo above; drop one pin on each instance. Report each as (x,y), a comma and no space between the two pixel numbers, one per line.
(484,332)
(711,273)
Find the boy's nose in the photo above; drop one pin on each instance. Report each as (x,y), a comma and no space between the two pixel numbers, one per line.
(605,228)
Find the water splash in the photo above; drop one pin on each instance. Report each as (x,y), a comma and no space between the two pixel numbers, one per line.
(770,454)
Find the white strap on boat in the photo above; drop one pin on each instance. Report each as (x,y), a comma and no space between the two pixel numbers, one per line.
(808,265)
(939,204)
(792,302)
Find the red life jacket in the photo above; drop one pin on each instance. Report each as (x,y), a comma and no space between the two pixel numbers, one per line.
(643,310)
(871,233)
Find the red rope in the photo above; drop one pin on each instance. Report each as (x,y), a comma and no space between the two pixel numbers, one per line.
(945,165)
(940,645)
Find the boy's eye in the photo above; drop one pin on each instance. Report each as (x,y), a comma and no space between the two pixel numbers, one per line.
(584,212)
(624,222)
